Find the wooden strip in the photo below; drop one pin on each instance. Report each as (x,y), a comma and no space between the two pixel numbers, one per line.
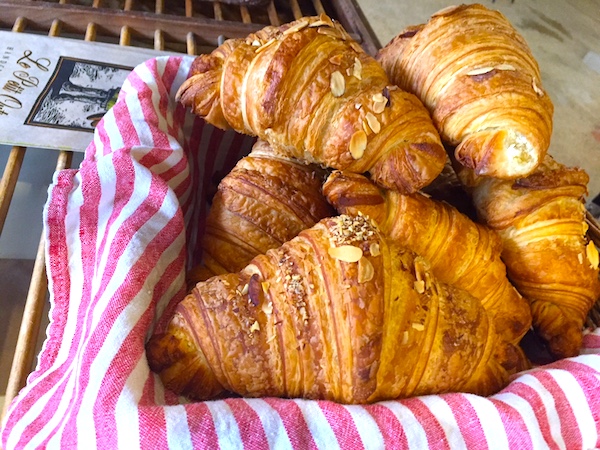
(90,32)
(128,5)
(32,314)
(97,4)
(319,7)
(190,41)
(19,25)
(125,36)
(245,14)
(273,17)
(159,40)
(218,11)
(160,6)
(144,24)
(296,11)
(55,28)
(9,181)
(189,8)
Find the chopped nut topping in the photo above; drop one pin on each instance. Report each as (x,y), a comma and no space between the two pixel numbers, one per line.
(358,144)
(268,308)
(346,253)
(244,290)
(350,229)
(418,326)
(580,258)
(337,84)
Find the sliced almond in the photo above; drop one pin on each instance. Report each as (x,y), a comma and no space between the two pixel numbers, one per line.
(580,258)
(373,122)
(365,270)
(357,69)
(329,32)
(265,286)
(536,88)
(265,46)
(337,83)
(336,60)
(418,326)
(296,27)
(358,144)
(357,105)
(254,327)
(245,289)
(405,338)
(479,71)
(255,43)
(379,103)
(592,255)
(419,286)
(346,253)
(267,308)
(355,45)
(505,67)
(374,249)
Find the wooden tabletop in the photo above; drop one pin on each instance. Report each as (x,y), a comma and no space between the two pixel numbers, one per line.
(564,36)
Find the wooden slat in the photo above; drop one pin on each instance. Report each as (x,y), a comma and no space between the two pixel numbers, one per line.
(296,11)
(112,21)
(32,314)
(245,14)
(273,16)
(318,7)
(9,181)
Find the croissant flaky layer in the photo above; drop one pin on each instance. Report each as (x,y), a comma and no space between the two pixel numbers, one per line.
(264,201)
(461,252)
(312,92)
(337,313)
(541,220)
(481,83)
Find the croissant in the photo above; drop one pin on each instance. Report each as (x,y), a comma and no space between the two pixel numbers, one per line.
(481,83)
(461,252)
(337,313)
(311,91)
(264,201)
(541,220)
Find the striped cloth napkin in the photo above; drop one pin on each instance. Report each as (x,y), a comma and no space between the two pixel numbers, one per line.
(118,230)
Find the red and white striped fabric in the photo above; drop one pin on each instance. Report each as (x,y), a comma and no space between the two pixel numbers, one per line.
(118,230)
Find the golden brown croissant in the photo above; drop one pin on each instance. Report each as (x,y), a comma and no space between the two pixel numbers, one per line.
(264,201)
(541,219)
(336,313)
(310,91)
(481,83)
(461,252)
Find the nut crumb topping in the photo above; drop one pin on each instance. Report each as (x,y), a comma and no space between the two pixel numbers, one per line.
(351,229)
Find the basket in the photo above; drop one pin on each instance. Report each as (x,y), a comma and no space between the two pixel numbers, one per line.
(98,385)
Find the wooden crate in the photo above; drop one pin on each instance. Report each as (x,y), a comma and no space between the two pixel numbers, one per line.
(184,26)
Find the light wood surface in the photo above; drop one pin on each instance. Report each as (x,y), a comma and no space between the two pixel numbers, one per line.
(564,36)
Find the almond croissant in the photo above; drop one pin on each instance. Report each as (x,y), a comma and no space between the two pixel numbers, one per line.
(541,220)
(460,251)
(264,201)
(311,91)
(336,313)
(481,83)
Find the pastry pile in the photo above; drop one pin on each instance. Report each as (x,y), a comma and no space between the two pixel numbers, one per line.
(327,271)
